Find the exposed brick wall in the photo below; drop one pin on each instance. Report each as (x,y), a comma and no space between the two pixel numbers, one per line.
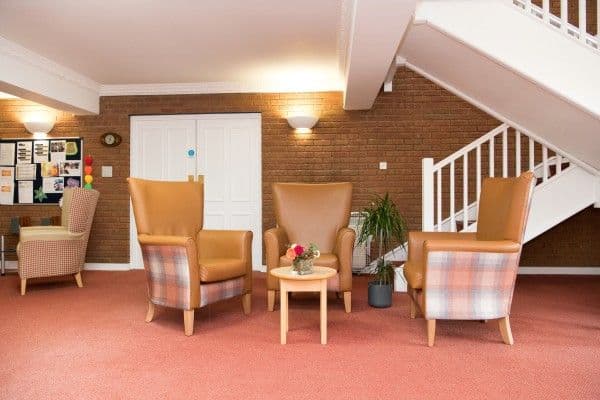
(418,119)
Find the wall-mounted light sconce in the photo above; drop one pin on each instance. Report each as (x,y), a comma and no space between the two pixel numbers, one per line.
(39,123)
(302,123)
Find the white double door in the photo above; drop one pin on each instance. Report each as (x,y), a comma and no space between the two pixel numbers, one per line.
(225,148)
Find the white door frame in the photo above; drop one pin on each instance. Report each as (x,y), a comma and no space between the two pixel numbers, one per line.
(134,170)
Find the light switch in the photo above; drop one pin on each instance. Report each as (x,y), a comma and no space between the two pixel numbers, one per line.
(382,164)
(107,171)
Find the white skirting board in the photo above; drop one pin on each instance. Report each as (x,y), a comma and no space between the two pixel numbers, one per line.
(400,281)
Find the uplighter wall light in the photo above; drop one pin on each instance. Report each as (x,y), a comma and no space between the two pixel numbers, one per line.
(302,123)
(39,123)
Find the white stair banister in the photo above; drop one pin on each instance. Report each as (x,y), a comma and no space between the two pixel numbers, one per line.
(546,8)
(505,153)
(452,199)
(465,190)
(545,163)
(439,200)
(531,154)
(582,20)
(564,15)
(427,196)
(492,159)
(478,171)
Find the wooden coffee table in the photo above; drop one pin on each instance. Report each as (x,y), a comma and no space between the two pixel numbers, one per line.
(315,282)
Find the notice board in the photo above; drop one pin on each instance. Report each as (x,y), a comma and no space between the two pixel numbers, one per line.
(36,171)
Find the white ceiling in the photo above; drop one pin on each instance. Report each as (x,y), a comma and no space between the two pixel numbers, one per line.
(283,45)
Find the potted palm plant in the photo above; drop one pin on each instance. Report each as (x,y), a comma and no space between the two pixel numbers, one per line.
(382,222)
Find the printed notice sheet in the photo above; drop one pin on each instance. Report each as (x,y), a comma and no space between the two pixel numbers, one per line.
(40,151)
(25,192)
(53,185)
(58,151)
(7,185)
(7,154)
(26,172)
(24,152)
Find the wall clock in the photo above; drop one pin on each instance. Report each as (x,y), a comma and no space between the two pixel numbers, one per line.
(110,139)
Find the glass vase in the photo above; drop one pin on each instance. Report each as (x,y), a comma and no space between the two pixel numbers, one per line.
(302,267)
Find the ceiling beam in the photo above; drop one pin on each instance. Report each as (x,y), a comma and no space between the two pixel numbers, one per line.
(375,32)
(30,76)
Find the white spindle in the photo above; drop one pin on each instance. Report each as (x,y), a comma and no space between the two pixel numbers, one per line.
(478,171)
(439,200)
(558,159)
(582,20)
(528,6)
(564,15)
(492,157)
(598,22)
(505,153)
(546,9)
(465,191)
(545,163)
(452,211)
(427,197)
(517,153)
(531,155)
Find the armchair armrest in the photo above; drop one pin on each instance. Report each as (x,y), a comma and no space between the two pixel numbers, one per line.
(225,244)
(344,244)
(417,239)
(51,234)
(164,240)
(276,241)
(478,246)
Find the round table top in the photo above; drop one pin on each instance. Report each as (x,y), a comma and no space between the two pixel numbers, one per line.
(318,273)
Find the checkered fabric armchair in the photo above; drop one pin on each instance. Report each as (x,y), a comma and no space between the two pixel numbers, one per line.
(187,267)
(45,251)
(471,276)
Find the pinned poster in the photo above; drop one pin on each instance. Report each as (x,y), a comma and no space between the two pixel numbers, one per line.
(58,150)
(41,151)
(26,172)
(7,154)
(25,192)
(7,185)
(24,152)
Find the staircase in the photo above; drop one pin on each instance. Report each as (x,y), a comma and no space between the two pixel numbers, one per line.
(518,62)
(451,187)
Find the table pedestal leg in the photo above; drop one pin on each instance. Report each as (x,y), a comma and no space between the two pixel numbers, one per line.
(283,305)
(324,311)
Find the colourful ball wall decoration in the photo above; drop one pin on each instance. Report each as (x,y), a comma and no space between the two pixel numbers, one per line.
(88,178)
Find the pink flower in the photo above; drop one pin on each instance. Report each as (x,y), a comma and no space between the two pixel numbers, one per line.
(291,254)
(298,249)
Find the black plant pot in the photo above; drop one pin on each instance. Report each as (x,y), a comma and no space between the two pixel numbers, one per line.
(380,295)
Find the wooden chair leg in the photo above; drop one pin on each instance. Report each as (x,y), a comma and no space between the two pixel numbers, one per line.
(247,303)
(78,279)
(430,332)
(505,331)
(270,300)
(150,312)
(188,322)
(23,286)
(348,302)
(414,308)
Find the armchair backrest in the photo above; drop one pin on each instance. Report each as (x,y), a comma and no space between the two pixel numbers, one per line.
(504,207)
(167,208)
(79,206)
(312,213)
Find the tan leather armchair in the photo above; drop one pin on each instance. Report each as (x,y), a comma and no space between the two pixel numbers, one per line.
(312,213)
(45,251)
(187,267)
(471,276)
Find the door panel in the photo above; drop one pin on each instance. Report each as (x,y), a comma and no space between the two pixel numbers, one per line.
(226,150)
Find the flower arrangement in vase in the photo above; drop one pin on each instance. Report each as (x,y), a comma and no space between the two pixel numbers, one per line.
(302,257)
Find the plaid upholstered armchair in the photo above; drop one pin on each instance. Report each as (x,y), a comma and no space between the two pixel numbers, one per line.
(471,276)
(187,267)
(45,251)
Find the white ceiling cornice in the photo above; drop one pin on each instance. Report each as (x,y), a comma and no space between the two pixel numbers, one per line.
(204,88)
(23,55)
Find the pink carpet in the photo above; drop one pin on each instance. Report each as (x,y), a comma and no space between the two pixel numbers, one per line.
(61,342)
